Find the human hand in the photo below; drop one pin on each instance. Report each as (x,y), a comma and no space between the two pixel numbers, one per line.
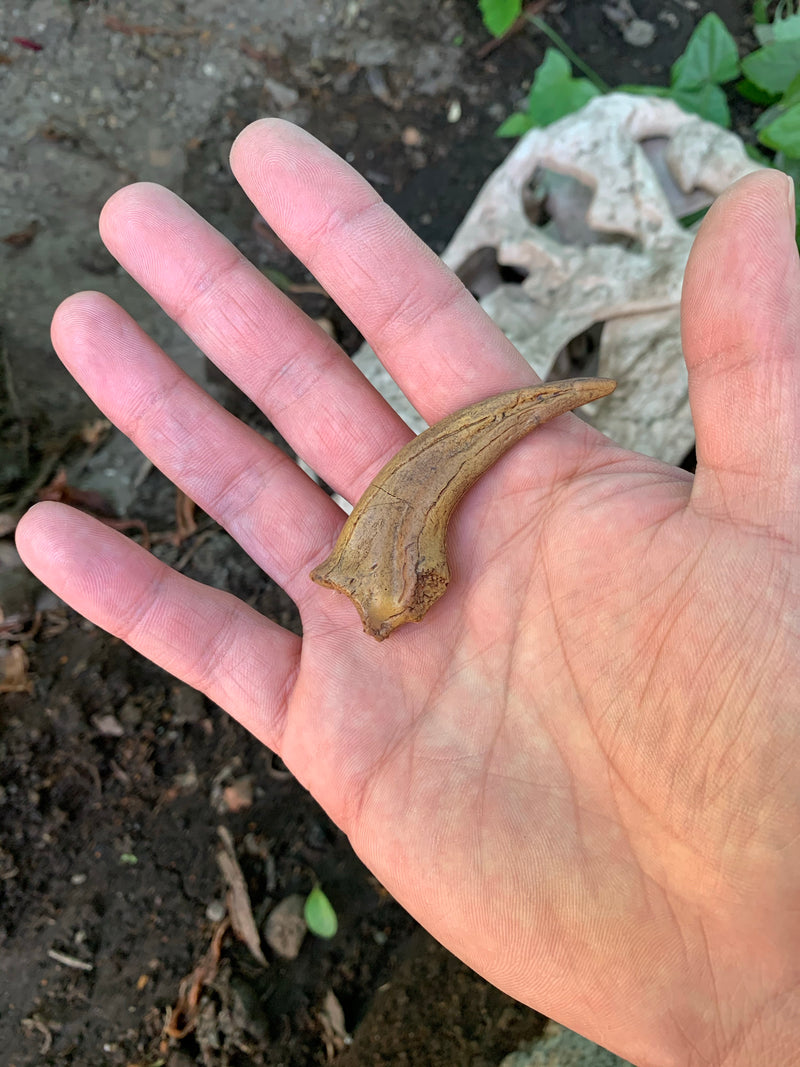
(581,771)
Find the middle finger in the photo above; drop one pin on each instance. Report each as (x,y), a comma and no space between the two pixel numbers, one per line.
(311,392)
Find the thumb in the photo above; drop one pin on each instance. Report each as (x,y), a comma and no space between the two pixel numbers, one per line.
(741,337)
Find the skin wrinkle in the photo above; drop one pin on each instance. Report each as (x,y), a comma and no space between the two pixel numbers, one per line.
(239,498)
(132,621)
(621,788)
(204,668)
(209,293)
(717,1000)
(335,231)
(417,312)
(215,293)
(149,420)
(660,643)
(418,829)
(394,241)
(558,629)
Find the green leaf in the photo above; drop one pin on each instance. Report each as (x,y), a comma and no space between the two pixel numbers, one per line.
(755,94)
(278,278)
(780,29)
(773,67)
(707,101)
(693,217)
(760,11)
(515,125)
(129,859)
(792,94)
(499,15)
(319,914)
(787,29)
(711,56)
(784,133)
(758,157)
(555,93)
(644,90)
(790,167)
(768,116)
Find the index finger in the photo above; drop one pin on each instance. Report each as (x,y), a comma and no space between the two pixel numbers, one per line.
(430,333)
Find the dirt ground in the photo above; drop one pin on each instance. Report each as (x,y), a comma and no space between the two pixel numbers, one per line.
(115,779)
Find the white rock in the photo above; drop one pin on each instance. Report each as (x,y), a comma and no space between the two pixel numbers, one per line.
(618,176)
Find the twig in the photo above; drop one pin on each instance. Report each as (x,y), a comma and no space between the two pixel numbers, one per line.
(534,8)
(200,539)
(69,961)
(133,29)
(13,401)
(573,57)
(240,909)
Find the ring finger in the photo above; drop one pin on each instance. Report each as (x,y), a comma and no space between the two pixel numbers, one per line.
(281,519)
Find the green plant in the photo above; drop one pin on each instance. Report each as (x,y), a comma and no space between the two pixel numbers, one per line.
(499,15)
(319,914)
(554,94)
(769,77)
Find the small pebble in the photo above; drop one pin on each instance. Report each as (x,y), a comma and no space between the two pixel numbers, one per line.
(639,33)
(215,911)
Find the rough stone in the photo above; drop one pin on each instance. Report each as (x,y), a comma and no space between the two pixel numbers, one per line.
(559,1047)
(616,177)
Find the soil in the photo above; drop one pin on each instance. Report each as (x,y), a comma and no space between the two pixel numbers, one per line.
(115,778)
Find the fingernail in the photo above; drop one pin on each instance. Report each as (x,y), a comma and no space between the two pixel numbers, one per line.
(792,208)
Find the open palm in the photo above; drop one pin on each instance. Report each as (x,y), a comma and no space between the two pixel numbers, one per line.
(581,771)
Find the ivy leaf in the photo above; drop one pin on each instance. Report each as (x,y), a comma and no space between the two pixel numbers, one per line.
(644,90)
(781,29)
(319,914)
(758,157)
(555,93)
(784,133)
(499,15)
(755,94)
(761,12)
(515,125)
(707,101)
(768,116)
(787,29)
(792,94)
(773,67)
(710,55)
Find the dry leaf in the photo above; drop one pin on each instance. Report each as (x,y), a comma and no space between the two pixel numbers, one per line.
(22,238)
(184,516)
(92,502)
(8,522)
(85,499)
(238,796)
(239,907)
(14,670)
(334,1031)
(183,1016)
(92,433)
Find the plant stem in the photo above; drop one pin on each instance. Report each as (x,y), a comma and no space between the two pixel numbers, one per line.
(576,60)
